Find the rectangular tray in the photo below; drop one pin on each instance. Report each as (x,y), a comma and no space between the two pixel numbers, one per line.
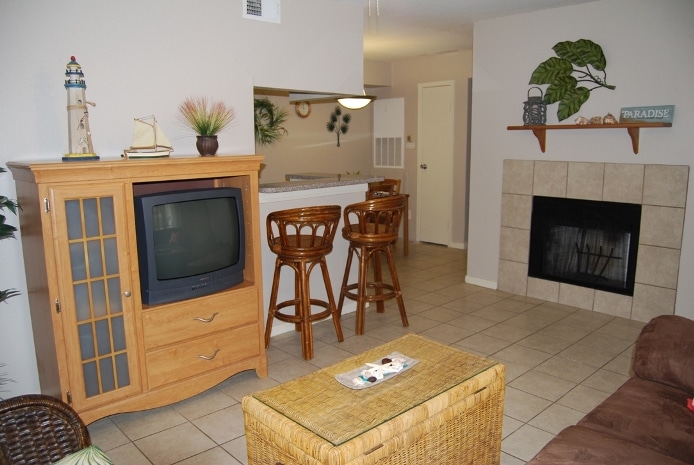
(347,379)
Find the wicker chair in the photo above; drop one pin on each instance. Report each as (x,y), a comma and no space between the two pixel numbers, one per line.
(36,429)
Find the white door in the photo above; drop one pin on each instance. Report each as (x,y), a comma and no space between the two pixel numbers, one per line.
(435,162)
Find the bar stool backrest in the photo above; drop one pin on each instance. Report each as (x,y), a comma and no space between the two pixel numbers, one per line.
(376,220)
(384,188)
(303,232)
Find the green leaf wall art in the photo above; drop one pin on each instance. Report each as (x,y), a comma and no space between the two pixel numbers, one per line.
(576,63)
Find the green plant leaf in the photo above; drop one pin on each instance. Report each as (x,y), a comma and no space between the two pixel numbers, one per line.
(7,231)
(550,70)
(10,204)
(571,102)
(7,293)
(559,88)
(583,52)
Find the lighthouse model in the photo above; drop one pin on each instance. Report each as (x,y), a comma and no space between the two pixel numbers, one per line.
(80,138)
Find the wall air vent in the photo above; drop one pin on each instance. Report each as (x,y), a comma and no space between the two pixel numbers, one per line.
(262,10)
(389,133)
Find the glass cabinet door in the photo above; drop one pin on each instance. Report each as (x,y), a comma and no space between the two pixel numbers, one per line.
(95,293)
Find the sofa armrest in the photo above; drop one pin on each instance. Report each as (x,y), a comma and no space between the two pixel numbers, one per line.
(665,352)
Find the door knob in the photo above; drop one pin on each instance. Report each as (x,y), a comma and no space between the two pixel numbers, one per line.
(423,166)
(126,293)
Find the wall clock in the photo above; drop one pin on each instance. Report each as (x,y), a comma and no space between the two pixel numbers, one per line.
(303,109)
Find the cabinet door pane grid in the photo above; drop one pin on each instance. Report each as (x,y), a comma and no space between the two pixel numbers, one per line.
(96,290)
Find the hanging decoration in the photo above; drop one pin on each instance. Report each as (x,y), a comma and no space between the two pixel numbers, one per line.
(268,121)
(564,79)
(338,123)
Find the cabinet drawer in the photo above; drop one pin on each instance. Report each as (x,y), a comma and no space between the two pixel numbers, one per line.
(200,355)
(180,321)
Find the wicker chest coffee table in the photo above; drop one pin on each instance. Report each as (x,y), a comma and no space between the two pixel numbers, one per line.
(446,409)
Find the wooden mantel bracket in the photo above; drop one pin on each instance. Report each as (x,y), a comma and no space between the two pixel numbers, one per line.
(541,135)
(540,131)
(634,134)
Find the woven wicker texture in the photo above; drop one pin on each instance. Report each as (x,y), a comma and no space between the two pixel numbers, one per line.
(336,413)
(454,418)
(37,430)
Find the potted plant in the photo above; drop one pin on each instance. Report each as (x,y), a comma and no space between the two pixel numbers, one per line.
(6,231)
(206,119)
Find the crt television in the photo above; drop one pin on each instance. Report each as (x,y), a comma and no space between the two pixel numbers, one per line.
(190,243)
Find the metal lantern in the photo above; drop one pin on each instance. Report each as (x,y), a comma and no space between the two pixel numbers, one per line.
(534,109)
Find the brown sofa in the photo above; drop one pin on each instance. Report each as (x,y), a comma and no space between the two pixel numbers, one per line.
(646,421)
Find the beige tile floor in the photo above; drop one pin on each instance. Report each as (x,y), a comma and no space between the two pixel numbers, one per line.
(561,362)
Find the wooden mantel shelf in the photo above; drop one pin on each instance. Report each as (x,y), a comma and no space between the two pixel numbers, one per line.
(540,131)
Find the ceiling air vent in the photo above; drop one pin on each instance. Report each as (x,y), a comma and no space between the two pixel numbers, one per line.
(262,10)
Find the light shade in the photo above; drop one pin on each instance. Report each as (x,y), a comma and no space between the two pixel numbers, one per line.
(356,102)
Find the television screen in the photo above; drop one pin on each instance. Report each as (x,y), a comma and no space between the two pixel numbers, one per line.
(192,237)
(190,243)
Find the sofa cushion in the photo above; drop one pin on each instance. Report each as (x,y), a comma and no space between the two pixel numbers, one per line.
(580,445)
(664,352)
(653,415)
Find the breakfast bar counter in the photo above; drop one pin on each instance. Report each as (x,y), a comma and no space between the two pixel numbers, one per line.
(310,181)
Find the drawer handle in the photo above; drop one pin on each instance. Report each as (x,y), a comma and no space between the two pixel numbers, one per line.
(206,320)
(209,357)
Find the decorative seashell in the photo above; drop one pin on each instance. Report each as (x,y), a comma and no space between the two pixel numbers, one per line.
(609,119)
(596,120)
(581,121)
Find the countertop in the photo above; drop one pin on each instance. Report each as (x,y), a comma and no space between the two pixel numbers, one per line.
(305,181)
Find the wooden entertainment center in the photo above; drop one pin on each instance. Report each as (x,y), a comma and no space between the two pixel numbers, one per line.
(97,346)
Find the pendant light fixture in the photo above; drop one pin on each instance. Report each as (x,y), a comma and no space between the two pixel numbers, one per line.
(355,102)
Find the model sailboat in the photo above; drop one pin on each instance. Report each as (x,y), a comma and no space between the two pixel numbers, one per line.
(148,140)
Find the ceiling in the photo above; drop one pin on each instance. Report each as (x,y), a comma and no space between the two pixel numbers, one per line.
(396,29)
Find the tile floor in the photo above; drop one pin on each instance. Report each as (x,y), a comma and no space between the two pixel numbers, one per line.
(560,363)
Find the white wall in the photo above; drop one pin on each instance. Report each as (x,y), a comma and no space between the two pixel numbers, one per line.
(648,46)
(143,57)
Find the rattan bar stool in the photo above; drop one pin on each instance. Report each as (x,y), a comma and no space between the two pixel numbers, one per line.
(301,238)
(371,227)
(39,429)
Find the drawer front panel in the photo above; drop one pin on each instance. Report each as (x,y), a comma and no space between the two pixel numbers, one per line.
(174,323)
(200,355)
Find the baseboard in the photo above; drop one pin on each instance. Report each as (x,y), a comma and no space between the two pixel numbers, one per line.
(458,245)
(481,282)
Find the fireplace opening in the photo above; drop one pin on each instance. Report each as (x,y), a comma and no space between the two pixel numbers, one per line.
(584,242)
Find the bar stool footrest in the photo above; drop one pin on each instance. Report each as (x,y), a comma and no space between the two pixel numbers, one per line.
(297,319)
(372,297)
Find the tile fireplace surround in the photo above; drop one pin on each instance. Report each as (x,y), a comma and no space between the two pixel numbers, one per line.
(660,189)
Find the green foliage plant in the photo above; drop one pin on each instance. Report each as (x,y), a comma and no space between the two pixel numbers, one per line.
(205,118)
(269,119)
(577,62)
(7,231)
(338,123)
